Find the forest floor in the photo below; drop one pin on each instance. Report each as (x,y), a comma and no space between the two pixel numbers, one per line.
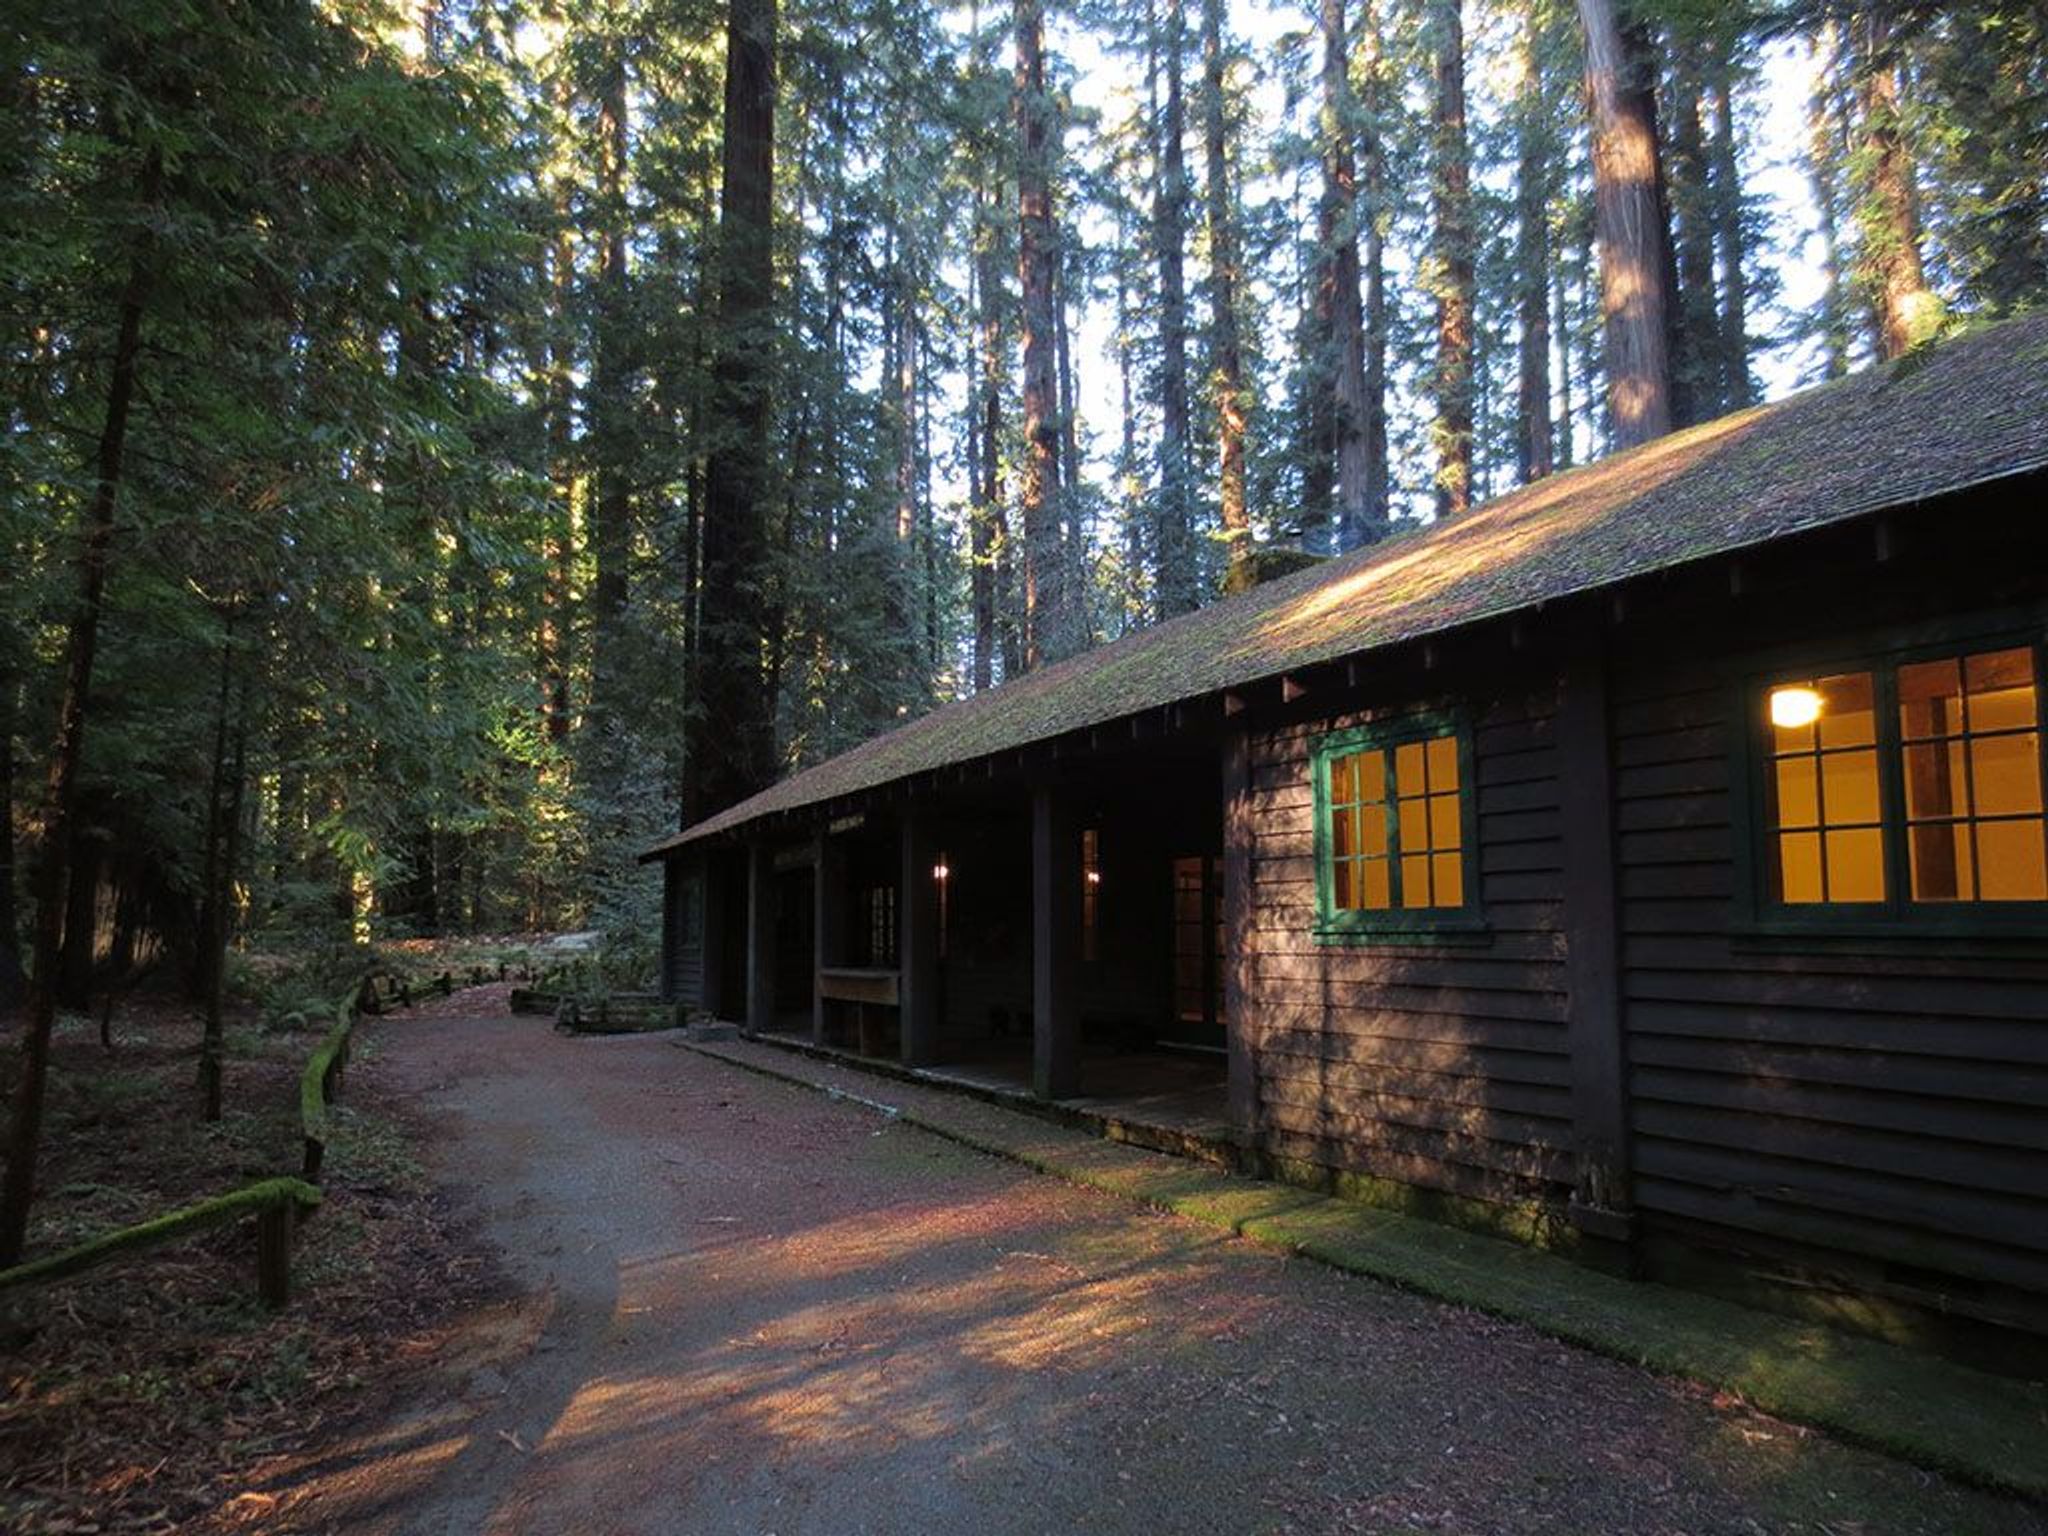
(135,1397)
(736,1306)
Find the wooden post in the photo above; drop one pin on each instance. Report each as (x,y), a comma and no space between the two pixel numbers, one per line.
(1601,1205)
(716,920)
(760,938)
(1055,946)
(918,941)
(274,1225)
(828,893)
(1239,957)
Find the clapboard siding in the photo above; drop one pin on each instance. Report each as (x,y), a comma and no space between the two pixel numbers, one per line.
(1876,1101)
(682,952)
(1441,1066)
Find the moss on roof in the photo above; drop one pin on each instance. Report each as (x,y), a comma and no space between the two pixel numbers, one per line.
(1967,411)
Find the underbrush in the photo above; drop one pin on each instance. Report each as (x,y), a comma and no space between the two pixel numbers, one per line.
(130,1397)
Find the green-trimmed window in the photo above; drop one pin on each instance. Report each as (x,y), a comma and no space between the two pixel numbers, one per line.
(1906,785)
(1394,838)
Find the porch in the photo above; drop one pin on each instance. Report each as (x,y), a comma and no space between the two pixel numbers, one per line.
(1055,940)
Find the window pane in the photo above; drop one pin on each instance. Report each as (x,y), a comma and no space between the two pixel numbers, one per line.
(1343,833)
(1378,888)
(2001,687)
(2011,860)
(1414,826)
(1941,862)
(2006,774)
(1342,885)
(1849,787)
(1448,872)
(1408,769)
(1372,830)
(1848,714)
(1415,880)
(1343,780)
(1930,699)
(1372,777)
(1798,793)
(1443,821)
(1443,764)
(1799,867)
(1934,780)
(1856,865)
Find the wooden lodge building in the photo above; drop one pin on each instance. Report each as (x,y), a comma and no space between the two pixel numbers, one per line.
(1651,861)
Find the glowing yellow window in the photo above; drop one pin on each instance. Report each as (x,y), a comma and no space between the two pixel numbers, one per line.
(1822,791)
(1969,729)
(1394,835)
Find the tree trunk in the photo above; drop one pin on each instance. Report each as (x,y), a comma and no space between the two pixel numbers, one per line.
(1634,238)
(1534,146)
(1340,321)
(1731,243)
(984,431)
(1225,274)
(1046,619)
(611,425)
(735,739)
(1697,359)
(1378,316)
(1174,579)
(25,1127)
(1906,310)
(1825,154)
(233,779)
(10,930)
(1455,296)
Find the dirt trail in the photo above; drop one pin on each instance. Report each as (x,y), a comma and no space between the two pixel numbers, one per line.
(748,1309)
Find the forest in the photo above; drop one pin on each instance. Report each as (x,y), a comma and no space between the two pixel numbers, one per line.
(451,443)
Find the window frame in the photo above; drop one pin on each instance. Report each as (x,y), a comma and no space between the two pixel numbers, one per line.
(1465,923)
(1898,916)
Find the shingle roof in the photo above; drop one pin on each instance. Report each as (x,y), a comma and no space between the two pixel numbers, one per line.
(1962,413)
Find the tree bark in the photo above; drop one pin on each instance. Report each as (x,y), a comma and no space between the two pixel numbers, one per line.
(25,1127)
(1226,259)
(735,739)
(1633,235)
(1455,295)
(1174,578)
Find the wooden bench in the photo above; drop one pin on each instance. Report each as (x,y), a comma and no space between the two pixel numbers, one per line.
(867,991)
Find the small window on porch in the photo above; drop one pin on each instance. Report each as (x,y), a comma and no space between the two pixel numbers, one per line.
(1393,829)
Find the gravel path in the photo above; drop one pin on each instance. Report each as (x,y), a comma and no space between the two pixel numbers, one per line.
(746,1308)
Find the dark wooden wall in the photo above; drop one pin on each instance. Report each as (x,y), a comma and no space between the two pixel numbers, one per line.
(682,950)
(1868,1113)
(1437,1066)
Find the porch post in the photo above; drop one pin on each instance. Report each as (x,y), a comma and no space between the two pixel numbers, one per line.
(1239,961)
(918,941)
(716,927)
(760,937)
(829,898)
(1602,1203)
(1055,946)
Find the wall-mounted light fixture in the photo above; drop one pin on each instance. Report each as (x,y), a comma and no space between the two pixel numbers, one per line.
(1792,708)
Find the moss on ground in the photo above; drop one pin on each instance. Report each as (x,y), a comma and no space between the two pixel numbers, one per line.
(1988,1430)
